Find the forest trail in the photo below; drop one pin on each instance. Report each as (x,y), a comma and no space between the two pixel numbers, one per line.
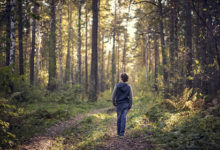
(126,143)
(47,139)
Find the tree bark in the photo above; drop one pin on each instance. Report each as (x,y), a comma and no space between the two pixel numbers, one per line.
(118,65)
(60,42)
(68,69)
(79,45)
(12,35)
(156,55)
(164,54)
(38,52)
(86,61)
(146,56)
(102,75)
(8,31)
(124,52)
(52,48)
(94,60)
(125,40)
(171,28)
(113,52)
(20,30)
(188,37)
(33,47)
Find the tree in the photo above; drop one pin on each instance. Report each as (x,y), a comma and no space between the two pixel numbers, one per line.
(60,42)
(12,35)
(188,38)
(79,44)
(113,51)
(52,48)
(94,60)
(68,70)
(86,62)
(102,65)
(156,55)
(125,40)
(164,54)
(8,31)
(33,46)
(20,30)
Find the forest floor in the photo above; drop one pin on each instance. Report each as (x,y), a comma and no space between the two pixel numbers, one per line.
(151,124)
(111,141)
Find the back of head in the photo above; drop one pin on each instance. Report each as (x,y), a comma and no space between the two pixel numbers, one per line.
(124,77)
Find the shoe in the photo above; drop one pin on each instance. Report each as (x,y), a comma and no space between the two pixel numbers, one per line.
(120,136)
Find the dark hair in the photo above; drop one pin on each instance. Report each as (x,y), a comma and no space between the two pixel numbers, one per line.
(124,77)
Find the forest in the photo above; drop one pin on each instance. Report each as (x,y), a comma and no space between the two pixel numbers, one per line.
(61,59)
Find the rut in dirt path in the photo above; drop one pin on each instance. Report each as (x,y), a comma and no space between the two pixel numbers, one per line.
(45,140)
(126,143)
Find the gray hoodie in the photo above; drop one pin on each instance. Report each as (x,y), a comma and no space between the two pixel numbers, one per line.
(122,93)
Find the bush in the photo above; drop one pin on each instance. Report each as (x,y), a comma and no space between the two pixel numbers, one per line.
(6,114)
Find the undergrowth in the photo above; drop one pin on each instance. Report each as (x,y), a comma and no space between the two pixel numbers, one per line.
(183,127)
(31,110)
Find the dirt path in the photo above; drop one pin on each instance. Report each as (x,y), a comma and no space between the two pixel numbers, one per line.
(126,143)
(45,140)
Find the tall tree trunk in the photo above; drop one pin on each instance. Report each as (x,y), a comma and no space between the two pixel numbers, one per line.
(164,54)
(52,49)
(20,30)
(86,62)
(37,81)
(33,47)
(176,13)
(108,71)
(102,75)
(150,68)
(60,42)
(79,45)
(171,39)
(118,54)
(38,61)
(113,52)
(124,52)
(188,37)
(171,28)
(156,54)
(13,35)
(27,33)
(146,56)
(125,40)
(68,69)
(72,64)
(8,31)
(94,60)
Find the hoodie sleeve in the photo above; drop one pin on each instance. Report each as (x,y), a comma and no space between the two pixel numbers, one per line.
(130,98)
(114,96)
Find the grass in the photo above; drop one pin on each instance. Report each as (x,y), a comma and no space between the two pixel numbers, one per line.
(36,116)
(89,134)
(148,119)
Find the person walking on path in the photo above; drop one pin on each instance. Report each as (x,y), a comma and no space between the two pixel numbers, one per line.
(122,98)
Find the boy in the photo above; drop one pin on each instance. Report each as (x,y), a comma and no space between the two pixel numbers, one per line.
(122,99)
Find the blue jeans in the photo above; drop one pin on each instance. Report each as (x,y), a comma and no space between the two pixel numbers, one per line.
(122,110)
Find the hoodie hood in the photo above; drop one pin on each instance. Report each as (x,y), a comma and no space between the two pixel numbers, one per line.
(123,87)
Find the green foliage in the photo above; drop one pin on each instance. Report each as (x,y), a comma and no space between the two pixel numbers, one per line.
(184,128)
(8,80)
(7,112)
